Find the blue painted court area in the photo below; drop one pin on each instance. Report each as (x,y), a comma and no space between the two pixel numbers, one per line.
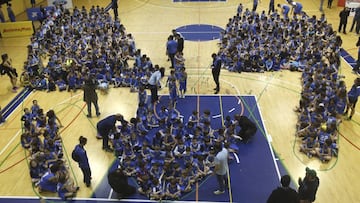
(253,171)
(252,177)
(200,32)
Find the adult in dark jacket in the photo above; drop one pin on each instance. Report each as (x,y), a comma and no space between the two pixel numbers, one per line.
(83,160)
(119,183)
(90,95)
(180,42)
(284,194)
(308,186)
(114,6)
(215,70)
(344,14)
(248,128)
(356,21)
(105,126)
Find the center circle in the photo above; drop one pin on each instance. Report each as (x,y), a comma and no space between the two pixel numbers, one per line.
(200,32)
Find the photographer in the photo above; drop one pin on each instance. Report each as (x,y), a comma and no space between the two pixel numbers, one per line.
(90,95)
(7,69)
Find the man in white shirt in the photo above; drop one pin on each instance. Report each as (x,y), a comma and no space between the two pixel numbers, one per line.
(221,167)
(154,82)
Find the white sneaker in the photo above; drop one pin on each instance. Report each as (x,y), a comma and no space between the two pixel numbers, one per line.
(218,192)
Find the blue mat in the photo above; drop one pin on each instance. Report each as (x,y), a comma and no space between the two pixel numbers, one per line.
(252,179)
(200,32)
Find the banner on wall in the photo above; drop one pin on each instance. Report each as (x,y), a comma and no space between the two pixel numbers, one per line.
(65,3)
(16,29)
(352,4)
(35,14)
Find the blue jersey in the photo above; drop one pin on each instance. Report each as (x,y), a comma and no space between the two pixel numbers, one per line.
(298,8)
(182,81)
(171,47)
(83,159)
(46,183)
(354,93)
(107,124)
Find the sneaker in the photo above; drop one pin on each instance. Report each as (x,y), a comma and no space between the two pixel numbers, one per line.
(98,114)
(218,192)
(89,116)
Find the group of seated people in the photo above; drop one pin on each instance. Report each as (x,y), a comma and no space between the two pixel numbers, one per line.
(254,42)
(49,171)
(81,42)
(168,154)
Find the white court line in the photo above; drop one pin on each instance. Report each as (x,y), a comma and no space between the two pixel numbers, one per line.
(110,194)
(217,116)
(231,110)
(270,147)
(10,142)
(236,157)
(19,131)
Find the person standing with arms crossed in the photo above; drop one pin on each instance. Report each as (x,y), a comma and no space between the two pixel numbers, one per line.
(215,70)
(154,82)
(221,167)
(356,21)
(90,95)
(344,14)
(82,160)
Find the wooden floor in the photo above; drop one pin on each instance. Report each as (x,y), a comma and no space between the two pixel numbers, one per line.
(151,22)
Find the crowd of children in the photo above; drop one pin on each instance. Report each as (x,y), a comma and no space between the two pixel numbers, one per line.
(48,169)
(255,42)
(90,41)
(167,153)
(83,42)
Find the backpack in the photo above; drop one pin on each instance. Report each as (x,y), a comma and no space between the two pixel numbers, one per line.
(75,156)
(2,69)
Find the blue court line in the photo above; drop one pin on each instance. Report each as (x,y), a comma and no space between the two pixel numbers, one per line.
(14,103)
(348,58)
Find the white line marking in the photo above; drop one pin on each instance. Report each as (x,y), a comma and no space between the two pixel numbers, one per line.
(231,110)
(236,157)
(12,140)
(270,147)
(19,131)
(217,116)
(111,192)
